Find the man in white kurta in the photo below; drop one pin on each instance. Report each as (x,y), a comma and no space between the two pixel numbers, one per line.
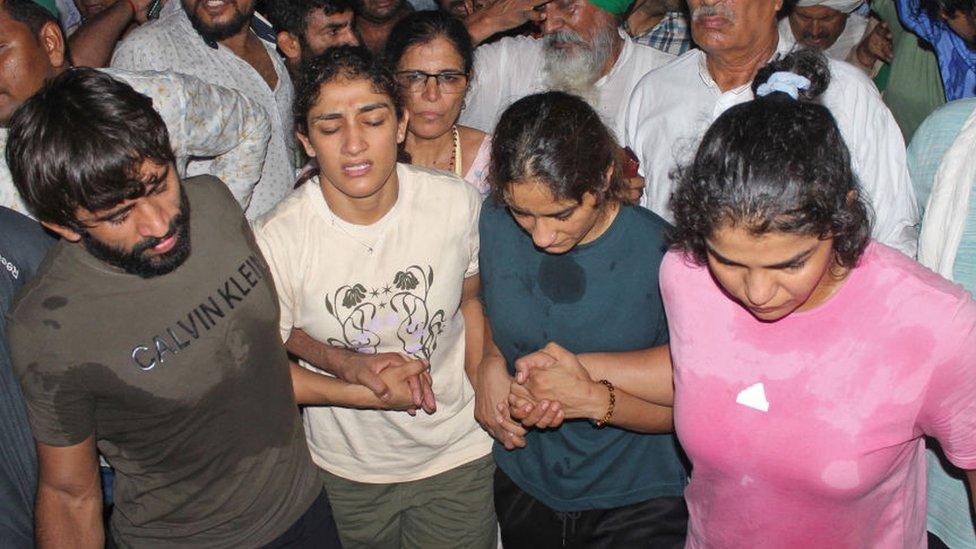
(514,67)
(173,44)
(831,25)
(672,107)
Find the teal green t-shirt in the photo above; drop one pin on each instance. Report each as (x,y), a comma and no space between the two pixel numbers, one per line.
(601,296)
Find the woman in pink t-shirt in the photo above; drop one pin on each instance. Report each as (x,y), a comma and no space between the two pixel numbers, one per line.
(808,361)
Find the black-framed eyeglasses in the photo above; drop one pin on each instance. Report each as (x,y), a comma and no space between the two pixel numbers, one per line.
(447,81)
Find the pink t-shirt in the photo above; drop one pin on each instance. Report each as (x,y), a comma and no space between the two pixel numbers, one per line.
(806,432)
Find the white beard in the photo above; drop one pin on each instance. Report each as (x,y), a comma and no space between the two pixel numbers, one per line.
(576,69)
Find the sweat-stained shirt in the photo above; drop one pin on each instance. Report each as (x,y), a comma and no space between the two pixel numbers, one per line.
(808,431)
(181,378)
(390,287)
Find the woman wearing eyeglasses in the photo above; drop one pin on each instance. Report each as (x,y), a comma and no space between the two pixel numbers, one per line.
(432,55)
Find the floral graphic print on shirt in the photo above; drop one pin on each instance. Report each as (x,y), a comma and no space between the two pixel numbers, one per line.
(366,312)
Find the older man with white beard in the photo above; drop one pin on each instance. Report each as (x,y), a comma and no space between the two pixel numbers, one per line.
(671,108)
(582,52)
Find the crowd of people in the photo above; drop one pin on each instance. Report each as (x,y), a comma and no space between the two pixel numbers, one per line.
(475,273)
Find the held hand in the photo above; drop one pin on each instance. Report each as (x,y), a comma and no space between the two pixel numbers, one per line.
(402,395)
(541,415)
(363,369)
(366,370)
(556,375)
(422,389)
(491,404)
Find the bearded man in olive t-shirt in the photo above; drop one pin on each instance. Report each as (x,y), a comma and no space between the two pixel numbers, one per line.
(150,331)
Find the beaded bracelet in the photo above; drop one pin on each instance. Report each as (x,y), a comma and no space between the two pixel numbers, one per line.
(613,400)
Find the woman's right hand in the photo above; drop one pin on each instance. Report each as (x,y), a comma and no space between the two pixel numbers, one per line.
(398,378)
(491,403)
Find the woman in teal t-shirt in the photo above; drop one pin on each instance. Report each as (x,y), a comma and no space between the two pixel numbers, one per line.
(564,258)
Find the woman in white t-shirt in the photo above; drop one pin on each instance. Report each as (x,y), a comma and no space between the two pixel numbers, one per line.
(376,267)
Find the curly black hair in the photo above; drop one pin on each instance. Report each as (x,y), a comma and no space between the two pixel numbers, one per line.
(558,139)
(340,63)
(774,164)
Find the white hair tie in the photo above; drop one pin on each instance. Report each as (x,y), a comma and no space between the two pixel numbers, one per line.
(787,82)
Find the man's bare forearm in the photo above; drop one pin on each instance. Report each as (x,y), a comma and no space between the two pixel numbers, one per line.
(94,41)
(65,520)
(325,357)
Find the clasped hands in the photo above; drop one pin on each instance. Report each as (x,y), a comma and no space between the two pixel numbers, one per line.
(398,381)
(550,386)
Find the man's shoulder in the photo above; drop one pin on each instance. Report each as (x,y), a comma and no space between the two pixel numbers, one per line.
(170,91)
(509,49)
(20,230)
(670,81)
(948,118)
(848,82)
(23,244)
(686,63)
(45,294)
(153,33)
(209,196)
(149,45)
(646,58)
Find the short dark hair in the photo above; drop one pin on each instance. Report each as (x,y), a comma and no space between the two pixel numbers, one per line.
(79,143)
(340,63)
(35,17)
(560,140)
(292,15)
(935,8)
(774,164)
(29,13)
(422,27)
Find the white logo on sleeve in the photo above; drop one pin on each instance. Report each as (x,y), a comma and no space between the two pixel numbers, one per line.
(754,396)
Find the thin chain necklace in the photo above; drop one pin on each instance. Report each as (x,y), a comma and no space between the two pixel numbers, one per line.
(336,224)
(369,249)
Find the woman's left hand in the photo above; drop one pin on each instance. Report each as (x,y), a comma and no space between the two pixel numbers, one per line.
(554,374)
(543,414)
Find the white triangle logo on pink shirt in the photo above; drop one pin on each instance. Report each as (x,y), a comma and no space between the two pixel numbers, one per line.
(754,396)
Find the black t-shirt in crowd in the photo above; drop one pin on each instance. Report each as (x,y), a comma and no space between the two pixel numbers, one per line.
(23,245)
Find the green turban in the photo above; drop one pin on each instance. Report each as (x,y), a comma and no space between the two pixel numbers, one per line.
(50,6)
(616,7)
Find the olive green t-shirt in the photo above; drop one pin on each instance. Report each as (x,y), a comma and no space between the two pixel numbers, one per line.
(182,378)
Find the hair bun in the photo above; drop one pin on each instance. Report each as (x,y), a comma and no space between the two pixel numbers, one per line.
(808,64)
